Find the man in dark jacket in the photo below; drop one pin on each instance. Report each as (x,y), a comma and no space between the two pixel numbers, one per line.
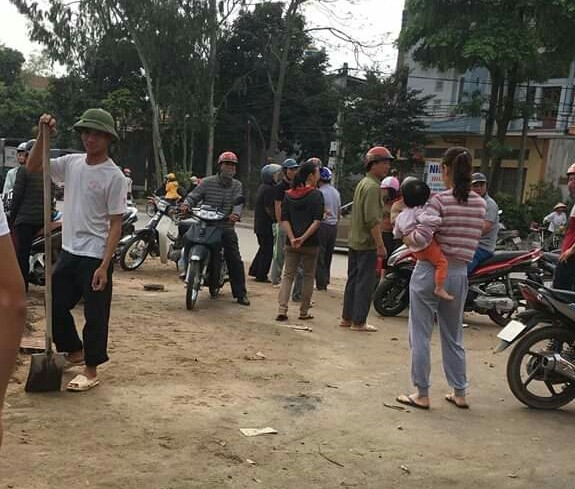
(264,218)
(27,212)
(225,193)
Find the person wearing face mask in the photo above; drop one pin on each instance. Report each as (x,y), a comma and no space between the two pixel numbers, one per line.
(224,192)
(565,272)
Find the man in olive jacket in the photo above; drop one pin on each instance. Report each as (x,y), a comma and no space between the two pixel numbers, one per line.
(365,241)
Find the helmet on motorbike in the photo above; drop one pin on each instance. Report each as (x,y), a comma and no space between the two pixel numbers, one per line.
(571,169)
(171,176)
(21,148)
(228,157)
(127,172)
(378,153)
(290,164)
(316,161)
(325,174)
(30,145)
(390,182)
(269,173)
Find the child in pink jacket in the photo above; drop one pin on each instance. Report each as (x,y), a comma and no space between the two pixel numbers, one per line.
(419,227)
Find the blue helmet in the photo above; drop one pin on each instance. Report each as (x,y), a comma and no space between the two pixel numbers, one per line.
(325,174)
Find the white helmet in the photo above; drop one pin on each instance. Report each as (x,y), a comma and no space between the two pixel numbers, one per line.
(21,148)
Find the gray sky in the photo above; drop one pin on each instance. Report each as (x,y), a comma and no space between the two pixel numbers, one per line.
(366,20)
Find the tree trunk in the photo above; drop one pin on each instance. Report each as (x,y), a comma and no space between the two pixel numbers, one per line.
(284,62)
(192,149)
(159,157)
(505,116)
(212,69)
(490,120)
(185,146)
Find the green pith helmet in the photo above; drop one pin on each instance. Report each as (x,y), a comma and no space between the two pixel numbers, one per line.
(97,119)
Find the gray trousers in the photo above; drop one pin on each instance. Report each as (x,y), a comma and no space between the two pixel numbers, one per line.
(360,285)
(278,263)
(424,309)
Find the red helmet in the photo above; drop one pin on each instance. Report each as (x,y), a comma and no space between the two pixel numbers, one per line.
(571,169)
(378,153)
(228,157)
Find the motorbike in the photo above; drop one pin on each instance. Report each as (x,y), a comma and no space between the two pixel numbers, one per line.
(541,366)
(154,239)
(37,275)
(203,253)
(152,205)
(507,239)
(541,237)
(129,220)
(492,290)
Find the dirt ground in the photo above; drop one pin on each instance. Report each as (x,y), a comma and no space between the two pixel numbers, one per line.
(179,388)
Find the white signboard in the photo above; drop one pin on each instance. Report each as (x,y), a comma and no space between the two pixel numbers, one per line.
(331,162)
(433,176)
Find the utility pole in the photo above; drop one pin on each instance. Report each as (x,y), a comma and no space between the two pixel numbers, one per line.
(249,153)
(339,153)
(527,111)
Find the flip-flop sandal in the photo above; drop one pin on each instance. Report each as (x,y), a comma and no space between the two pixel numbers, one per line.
(305,317)
(410,401)
(450,398)
(81,383)
(345,324)
(366,328)
(281,317)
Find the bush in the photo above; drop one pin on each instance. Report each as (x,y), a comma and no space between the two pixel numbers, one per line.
(542,198)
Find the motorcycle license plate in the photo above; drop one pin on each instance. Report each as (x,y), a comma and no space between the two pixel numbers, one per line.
(517,240)
(511,331)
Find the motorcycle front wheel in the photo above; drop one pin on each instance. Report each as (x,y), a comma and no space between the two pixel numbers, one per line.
(193,279)
(391,296)
(134,253)
(528,380)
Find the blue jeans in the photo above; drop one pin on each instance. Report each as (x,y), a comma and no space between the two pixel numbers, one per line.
(480,256)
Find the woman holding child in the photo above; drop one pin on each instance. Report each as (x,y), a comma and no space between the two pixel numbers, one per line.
(461,214)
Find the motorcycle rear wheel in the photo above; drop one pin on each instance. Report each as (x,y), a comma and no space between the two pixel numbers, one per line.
(553,339)
(134,253)
(193,284)
(391,297)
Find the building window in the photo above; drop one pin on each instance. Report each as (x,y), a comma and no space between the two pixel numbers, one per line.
(439,85)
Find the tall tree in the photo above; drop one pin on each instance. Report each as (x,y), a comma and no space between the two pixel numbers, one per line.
(515,40)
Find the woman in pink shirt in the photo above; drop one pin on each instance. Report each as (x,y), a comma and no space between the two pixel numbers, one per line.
(462,215)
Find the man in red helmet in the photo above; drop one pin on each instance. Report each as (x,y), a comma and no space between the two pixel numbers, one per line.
(365,241)
(565,271)
(225,193)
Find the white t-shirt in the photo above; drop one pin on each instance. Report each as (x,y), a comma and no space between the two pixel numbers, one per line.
(92,193)
(3,221)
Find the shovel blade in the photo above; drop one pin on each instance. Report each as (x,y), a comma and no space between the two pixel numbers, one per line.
(45,372)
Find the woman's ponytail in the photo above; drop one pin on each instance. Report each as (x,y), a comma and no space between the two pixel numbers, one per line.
(459,162)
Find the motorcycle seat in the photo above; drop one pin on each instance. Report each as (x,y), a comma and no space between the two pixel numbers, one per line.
(185,224)
(563,295)
(501,256)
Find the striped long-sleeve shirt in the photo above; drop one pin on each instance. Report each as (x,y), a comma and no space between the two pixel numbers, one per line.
(217,193)
(461,225)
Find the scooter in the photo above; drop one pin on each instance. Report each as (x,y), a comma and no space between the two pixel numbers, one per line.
(154,239)
(129,220)
(37,275)
(203,253)
(541,366)
(492,290)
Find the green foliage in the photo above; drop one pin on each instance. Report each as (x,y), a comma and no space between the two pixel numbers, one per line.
(542,198)
(11,62)
(381,111)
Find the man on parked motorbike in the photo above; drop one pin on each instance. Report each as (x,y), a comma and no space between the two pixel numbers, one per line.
(21,155)
(26,212)
(94,203)
(565,271)
(486,246)
(223,192)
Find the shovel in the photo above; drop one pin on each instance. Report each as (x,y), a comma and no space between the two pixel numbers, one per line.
(46,368)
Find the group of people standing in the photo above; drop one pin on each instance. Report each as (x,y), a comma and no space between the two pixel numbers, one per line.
(297,211)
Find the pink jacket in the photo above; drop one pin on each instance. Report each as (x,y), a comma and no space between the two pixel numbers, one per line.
(419,225)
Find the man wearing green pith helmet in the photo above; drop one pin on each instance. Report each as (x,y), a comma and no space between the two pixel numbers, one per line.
(94,202)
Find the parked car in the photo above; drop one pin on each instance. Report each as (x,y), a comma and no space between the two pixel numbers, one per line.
(344,226)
